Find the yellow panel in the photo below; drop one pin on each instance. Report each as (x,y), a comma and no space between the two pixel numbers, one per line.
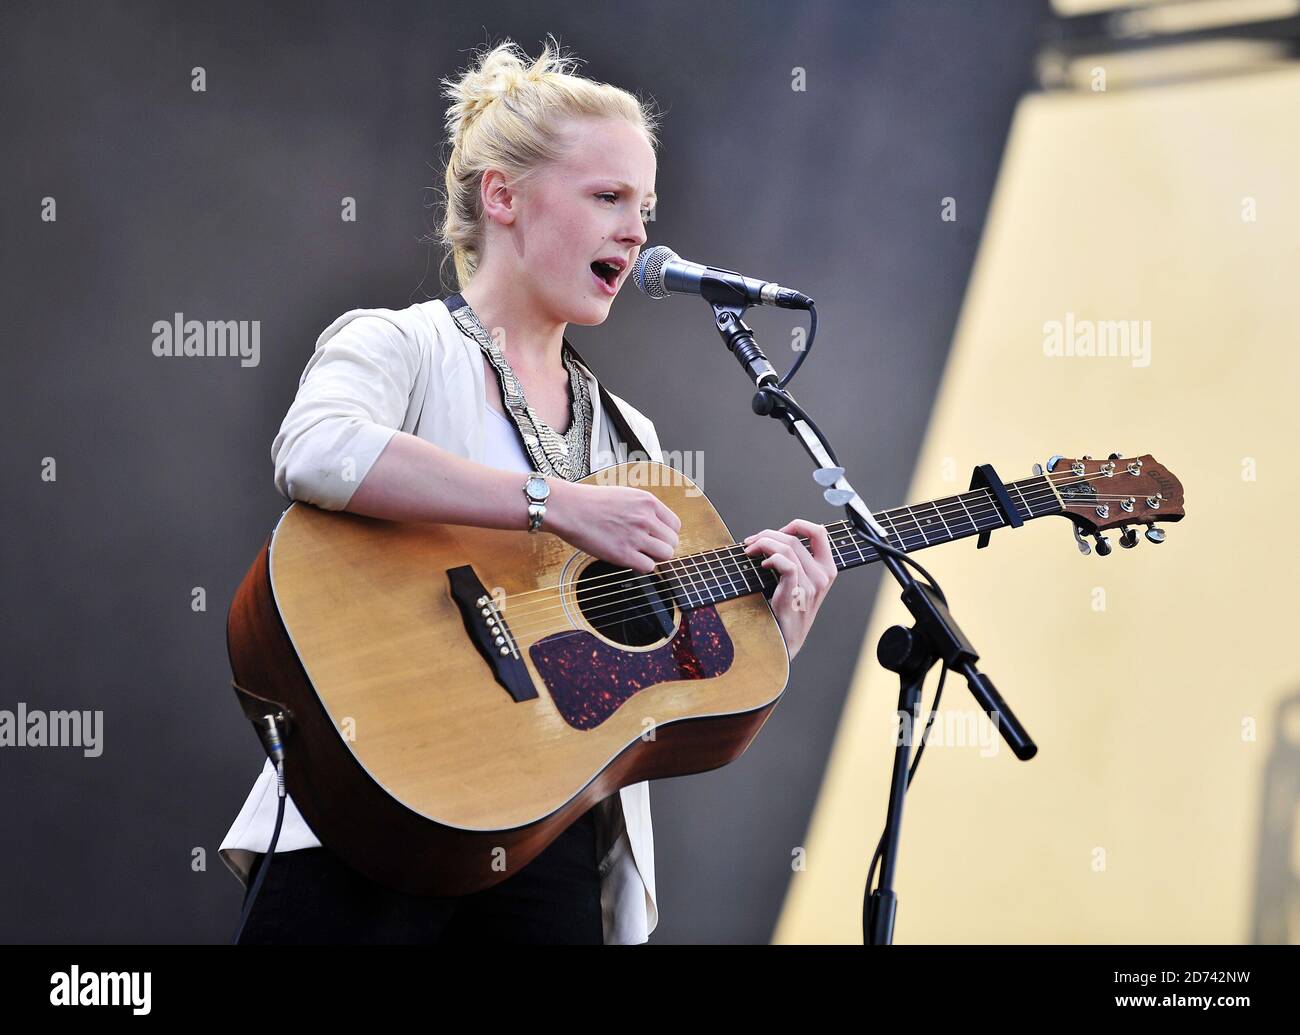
(1139,819)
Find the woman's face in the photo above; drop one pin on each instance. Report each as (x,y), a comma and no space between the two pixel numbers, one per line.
(589,205)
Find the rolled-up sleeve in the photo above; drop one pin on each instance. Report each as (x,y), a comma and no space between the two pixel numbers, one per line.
(352,398)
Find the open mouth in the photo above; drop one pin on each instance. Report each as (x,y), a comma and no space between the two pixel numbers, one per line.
(607,273)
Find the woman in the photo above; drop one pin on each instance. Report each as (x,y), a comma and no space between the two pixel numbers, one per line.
(400,415)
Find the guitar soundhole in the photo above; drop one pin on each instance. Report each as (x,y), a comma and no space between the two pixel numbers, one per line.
(623,606)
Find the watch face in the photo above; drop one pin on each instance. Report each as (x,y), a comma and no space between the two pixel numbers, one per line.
(537,487)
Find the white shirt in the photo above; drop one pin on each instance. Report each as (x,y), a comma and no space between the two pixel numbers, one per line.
(377,371)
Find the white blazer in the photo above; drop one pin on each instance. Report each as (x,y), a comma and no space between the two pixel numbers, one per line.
(375,372)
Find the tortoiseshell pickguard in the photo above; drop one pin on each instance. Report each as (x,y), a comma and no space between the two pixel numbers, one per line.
(590,679)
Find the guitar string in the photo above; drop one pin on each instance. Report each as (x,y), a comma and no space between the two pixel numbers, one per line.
(955,508)
(700,573)
(839,533)
(536,631)
(703,563)
(1037,494)
(532,623)
(544,628)
(755,565)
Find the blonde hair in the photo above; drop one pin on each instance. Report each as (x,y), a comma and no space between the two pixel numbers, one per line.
(507,113)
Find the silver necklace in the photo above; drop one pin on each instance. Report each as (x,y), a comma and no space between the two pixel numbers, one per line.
(566,456)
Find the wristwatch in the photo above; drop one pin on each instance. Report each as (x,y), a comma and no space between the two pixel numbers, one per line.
(537,492)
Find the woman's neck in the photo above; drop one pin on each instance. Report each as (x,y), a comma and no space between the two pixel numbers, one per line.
(530,340)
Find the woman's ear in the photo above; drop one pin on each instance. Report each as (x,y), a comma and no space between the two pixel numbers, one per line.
(499,199)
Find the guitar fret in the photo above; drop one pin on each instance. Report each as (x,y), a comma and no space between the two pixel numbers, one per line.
(857,542)
(730,590)
(884,517)
(952,520)
(718,569)
(683,567)
(835,550)
(1014,488)
(994,517)
(969,517)
(911,512)
(743,565)
(1019,489)
(712,587)
(923,521)
(896,516)
(740,561)
(697,580)
(705,568)
(939,514)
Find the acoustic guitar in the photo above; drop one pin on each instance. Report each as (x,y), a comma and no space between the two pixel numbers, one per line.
(448,691)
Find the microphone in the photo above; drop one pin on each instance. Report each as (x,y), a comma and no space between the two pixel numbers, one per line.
(661,271)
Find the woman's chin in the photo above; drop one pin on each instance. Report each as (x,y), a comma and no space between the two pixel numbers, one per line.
(592,314)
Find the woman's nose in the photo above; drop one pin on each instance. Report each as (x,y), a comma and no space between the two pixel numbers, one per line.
(636,234)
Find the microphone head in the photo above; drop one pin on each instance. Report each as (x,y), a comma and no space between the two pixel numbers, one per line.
(649,271)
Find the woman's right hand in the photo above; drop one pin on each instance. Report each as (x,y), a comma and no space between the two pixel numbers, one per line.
(629,527)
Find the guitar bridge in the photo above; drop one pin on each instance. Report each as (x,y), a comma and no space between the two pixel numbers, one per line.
(490,633)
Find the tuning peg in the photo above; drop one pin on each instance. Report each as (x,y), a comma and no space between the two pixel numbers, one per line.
(1155,535)
(1084,548)
(1103,545)
(1037,470)
(1115,456)
(824,476)
(1128,538)
(1053,461)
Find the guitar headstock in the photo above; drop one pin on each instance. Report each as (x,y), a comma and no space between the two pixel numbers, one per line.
(1098,495)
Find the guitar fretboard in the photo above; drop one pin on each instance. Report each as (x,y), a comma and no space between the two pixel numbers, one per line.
(712,576)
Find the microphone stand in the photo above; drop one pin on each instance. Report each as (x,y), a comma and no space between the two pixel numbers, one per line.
(908,651)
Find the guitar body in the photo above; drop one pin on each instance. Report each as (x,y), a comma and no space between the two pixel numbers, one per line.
(419,744)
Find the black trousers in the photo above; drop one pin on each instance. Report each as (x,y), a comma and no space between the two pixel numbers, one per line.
(311,897)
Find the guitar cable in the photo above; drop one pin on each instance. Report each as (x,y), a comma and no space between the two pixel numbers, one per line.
(911,772)
(269,729)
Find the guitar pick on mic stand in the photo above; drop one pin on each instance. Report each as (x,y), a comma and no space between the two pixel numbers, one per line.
(910,652)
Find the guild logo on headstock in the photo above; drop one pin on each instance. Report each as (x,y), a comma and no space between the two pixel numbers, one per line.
(1164,483)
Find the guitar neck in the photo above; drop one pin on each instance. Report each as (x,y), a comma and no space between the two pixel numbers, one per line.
(713,576)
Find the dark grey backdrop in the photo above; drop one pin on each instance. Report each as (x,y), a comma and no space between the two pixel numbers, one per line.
(225,205)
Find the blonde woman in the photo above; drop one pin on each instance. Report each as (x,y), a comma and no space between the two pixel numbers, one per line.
(400,415)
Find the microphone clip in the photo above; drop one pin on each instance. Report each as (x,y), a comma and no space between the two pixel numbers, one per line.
(739,339)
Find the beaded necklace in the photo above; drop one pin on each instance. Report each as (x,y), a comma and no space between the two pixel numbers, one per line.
(566,456)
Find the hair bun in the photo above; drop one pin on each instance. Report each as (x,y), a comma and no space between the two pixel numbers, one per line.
(501,72)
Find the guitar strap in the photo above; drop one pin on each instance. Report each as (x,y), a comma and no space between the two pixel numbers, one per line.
(612,409)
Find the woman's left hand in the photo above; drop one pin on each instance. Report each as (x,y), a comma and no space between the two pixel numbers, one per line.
(804,577)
